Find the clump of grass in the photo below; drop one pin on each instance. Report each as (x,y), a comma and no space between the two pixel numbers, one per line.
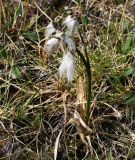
(36,107)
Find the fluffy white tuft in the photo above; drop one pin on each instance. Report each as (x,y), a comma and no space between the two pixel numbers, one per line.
(50,29)
(58,34)
(67,66)
(51,44)
(71,24)
(70,43)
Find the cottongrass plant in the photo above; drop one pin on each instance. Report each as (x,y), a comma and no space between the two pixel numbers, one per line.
(56,38)
(64,38)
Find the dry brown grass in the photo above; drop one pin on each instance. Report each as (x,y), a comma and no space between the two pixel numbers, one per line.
(37,108)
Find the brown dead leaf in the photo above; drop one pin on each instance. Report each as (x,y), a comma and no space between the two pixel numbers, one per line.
(81,125)
(101,6)
(81,98)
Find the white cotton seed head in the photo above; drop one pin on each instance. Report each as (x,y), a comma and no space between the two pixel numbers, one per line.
(58,34)
(70,68)
(67,66)
(50,29)
(62,68)
(71,24)
(69,41)
(68,20)
(51,44)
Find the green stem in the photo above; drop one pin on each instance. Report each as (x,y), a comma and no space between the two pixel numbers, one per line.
(82,57)
(89,93)
(88,83)
(88,80)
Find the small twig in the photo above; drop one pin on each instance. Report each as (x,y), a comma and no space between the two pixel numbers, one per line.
(43,12)
(3,10)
